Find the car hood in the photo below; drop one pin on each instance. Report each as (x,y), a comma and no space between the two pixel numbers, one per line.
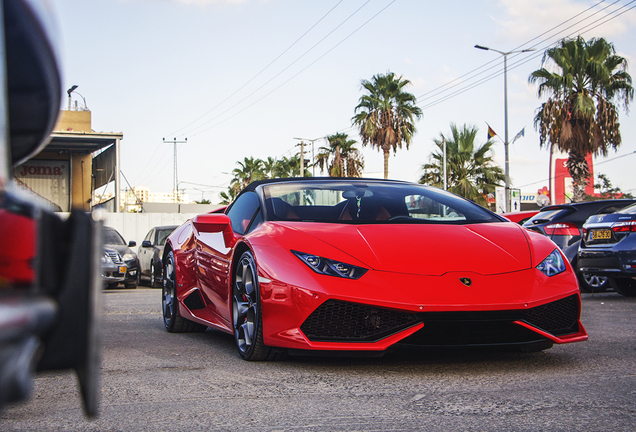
(122,249)
(425,249)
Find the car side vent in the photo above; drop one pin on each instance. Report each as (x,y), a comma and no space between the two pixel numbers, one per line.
(194,301)
(558,317)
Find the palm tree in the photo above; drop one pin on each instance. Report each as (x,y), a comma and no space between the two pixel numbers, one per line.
(470,169)
(269,167)
(288,167)
(341,158)
(232,192)
(579,116)
(250,170)
(386,115)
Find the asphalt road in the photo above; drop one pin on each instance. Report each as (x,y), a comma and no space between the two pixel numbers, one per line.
(155,381)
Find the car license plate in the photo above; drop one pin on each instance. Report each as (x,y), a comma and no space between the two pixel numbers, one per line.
(601,234)
(123,269)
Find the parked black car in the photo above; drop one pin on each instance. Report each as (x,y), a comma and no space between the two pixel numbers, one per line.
(113,267)
(563,223)
(608,249)
(150,253)
(114,240)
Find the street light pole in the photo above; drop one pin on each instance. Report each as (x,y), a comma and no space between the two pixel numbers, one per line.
(507,163)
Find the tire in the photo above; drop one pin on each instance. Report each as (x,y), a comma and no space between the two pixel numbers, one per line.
(246,312)
(154,282)
(140,282)
(112,285)
(624,286)
(172,320)
(131,285)
(591,283)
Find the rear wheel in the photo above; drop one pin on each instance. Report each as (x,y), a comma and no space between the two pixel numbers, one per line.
(591,283)
(624,286)
(174,322)
(246,312)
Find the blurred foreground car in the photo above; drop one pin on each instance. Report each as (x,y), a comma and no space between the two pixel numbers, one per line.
(50,282)
(113,240)
(563,224)
(608,249)
(150,254)
(365,265)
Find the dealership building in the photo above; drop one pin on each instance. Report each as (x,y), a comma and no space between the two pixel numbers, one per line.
(75,162)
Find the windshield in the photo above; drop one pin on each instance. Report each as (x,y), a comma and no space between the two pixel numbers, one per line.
(628,210)
(545,216)
(113,237)
(162,235)
(369,202)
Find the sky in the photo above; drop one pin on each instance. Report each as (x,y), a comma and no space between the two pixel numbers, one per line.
(246,78)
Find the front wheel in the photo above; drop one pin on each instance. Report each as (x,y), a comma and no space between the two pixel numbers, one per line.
(172,320)
(246,311)
(624,286)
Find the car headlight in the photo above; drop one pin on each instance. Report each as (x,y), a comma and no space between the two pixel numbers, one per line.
(553,264)
(329,267)
(129,256)
(106,258)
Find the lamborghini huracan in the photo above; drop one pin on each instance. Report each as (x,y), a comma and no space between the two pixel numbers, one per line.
(295,265)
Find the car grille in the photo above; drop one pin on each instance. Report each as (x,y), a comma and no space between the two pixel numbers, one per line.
(115,257)
(353,322)
(339,321)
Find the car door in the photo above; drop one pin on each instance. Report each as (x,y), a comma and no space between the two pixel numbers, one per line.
(214,260)
(145,253)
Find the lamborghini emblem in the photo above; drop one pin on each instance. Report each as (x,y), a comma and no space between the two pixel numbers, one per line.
(466,281)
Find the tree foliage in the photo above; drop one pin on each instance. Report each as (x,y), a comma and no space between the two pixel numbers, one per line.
(579,116)
(471,171)
(386,114)
(251,170)
(341,158)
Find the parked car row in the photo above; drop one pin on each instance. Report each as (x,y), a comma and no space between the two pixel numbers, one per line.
(566,225)
(121,265)
(608,249)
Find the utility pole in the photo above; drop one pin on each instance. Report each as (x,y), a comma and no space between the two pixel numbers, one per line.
(302,159)
(313,159)
(175,183)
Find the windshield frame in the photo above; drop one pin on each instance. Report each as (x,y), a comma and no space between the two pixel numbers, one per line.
(353,193)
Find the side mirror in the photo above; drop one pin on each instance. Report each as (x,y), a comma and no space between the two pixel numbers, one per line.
(146,244)
(132,243)
(215,223)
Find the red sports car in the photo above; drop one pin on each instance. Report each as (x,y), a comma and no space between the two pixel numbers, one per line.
(363,265)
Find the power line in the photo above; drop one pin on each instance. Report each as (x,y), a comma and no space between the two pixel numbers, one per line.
(260,72)
(294,76)
(612,15)
(497,60)
(469,86)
